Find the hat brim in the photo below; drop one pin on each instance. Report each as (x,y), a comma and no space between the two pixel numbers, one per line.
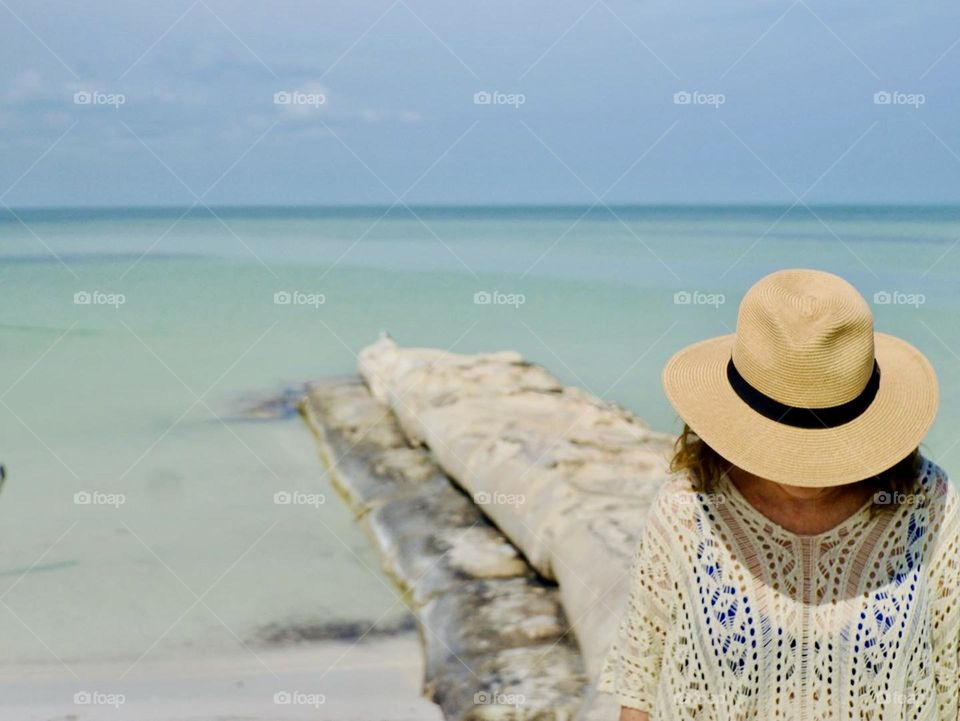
(695,380)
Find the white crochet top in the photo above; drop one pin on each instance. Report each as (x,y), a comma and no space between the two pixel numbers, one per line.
(732,617)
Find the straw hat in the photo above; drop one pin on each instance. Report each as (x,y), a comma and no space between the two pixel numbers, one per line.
(805,392)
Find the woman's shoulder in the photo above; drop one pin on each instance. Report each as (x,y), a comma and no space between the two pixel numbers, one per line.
(678,503)
(938,496)
(676,491)
(936,489)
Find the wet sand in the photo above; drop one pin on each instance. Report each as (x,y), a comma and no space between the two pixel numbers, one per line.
(329,681)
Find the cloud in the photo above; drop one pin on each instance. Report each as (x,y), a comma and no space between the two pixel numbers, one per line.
(30,88)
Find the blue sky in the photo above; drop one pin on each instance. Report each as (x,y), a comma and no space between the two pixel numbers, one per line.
(782,102)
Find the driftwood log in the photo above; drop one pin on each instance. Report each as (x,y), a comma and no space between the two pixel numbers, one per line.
(505,506)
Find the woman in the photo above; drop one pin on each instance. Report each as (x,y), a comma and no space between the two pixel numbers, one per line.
(803,561)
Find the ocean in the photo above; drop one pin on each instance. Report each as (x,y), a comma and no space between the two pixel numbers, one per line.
(138,513)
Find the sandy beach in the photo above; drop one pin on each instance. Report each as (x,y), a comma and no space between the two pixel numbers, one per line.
(330,681)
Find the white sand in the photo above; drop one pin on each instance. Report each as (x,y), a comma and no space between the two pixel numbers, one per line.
(372,681)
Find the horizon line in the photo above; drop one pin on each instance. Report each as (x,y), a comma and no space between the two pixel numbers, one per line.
(870,205)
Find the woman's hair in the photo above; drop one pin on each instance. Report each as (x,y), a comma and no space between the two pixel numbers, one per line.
(705,467)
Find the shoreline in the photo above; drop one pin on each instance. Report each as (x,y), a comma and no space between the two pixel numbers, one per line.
(358,681)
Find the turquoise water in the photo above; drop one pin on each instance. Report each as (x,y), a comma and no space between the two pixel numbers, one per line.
(103,397)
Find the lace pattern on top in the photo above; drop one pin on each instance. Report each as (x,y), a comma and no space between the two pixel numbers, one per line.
(731,617)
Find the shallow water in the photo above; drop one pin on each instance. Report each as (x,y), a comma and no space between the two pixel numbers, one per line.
(141,398)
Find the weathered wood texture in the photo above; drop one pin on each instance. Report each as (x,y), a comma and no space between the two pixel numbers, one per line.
(497,643)
(566,476)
